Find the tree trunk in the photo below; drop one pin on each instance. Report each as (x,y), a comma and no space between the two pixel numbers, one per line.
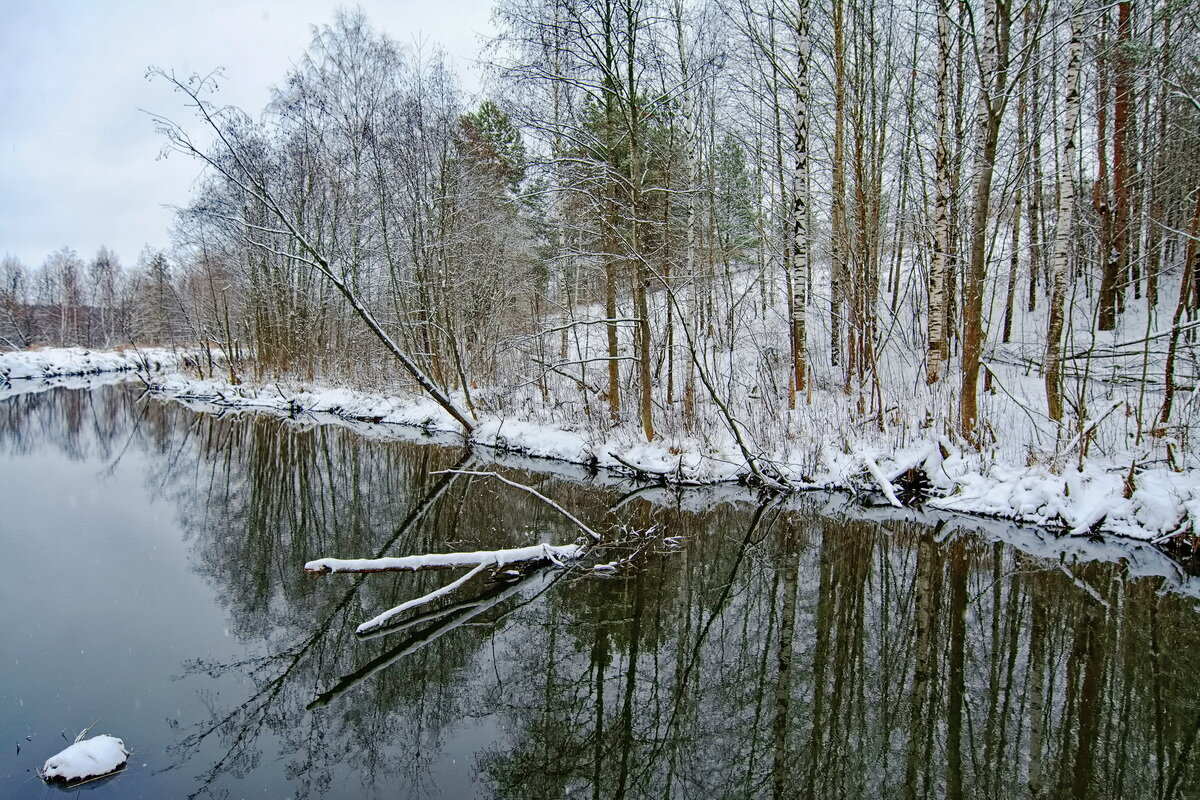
(800,234)
(839,243)
(1186,287)
(1066,210)
(937,349)
(1122,162)
(992,100)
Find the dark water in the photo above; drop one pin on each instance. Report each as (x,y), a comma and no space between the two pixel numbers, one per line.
(152,583)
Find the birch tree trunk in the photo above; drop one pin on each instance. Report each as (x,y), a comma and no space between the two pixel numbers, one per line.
(687,108)
(800,232)
(1066,210)
(937,346)
(1033,209)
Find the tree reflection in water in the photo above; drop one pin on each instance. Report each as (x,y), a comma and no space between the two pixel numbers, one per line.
(781,652)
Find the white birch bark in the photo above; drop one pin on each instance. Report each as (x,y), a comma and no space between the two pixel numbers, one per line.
(800,233)
(1066,210)
(941,211)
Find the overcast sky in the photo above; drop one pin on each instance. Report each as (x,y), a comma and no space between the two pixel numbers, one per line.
(78,160)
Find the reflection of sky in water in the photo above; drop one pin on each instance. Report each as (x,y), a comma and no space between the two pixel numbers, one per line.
(101,609)
(152,584)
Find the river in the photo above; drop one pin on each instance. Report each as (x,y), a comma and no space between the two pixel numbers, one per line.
(154,586)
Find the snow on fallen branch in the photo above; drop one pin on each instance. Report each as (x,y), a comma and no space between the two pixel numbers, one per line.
(1091,426)
(884,484)
(385,617)
(495,558)
(479,560)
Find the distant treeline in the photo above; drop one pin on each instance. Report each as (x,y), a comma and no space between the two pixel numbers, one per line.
(69,302)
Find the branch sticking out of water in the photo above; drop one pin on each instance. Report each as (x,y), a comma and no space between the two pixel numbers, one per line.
(595,537)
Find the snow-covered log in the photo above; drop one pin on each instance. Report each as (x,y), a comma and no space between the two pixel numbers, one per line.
(479,560)
(884,484)
(485,558)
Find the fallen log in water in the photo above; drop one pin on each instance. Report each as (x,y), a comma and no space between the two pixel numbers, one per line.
(479,558)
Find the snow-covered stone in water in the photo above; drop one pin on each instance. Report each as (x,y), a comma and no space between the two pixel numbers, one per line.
(91,758)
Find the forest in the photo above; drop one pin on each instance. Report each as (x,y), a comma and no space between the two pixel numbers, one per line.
(772,232)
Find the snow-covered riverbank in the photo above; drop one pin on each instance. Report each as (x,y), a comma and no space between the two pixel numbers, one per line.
(1153,503)
(27,371)
(63,362)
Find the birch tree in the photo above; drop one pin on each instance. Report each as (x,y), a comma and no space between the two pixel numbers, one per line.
(1066,210)
(937,348)
(992,100)
(799,267)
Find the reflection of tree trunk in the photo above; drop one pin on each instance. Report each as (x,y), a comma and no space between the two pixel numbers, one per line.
(1013,631)
(957,675)
(1156,690)
(991,768)
(548,752)
(838,691)
(847,706)
(718,608)
(1091,651)
(1182,759)
(788,567)
(762,680)
(919,722)
(600,658)
(683,637)
(817,751)
(1035,679)
(635,636)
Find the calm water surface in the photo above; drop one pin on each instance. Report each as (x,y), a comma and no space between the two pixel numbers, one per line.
(153,584)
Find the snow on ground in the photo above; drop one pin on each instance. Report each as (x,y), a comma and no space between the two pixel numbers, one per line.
(1079,499)
(61,362)
(90,758)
